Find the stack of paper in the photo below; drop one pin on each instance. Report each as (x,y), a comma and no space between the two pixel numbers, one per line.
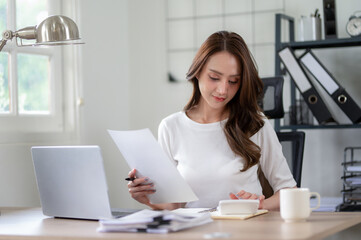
(154,222)
(215,214)
(353,181)
(328,204)
(356,168)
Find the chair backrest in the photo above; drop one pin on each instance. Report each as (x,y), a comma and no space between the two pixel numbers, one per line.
(292,147)
(272,102)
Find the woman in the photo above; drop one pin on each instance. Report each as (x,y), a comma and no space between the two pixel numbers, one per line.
(221,137)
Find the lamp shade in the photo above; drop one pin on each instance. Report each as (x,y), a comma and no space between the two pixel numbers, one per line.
(56,30)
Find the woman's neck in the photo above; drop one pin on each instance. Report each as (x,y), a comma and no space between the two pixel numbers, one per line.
(202,113)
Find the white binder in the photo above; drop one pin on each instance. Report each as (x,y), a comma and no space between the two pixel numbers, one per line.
(308,91)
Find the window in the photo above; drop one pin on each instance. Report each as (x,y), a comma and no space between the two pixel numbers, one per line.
(30,77)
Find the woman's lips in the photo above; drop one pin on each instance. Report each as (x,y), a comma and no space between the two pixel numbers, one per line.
(219,99)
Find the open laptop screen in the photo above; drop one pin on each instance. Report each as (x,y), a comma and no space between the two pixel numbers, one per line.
(71,181)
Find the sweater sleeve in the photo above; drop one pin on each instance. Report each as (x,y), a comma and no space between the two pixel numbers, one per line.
(164,140)
(273,162)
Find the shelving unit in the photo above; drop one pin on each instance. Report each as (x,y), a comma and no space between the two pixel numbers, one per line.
(327,43)
(351,192)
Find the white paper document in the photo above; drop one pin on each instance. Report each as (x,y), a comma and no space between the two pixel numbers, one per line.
(142,152)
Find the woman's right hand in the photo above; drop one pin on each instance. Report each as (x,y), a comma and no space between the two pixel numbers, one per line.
(139,188)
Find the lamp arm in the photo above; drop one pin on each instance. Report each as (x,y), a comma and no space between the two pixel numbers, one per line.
(26,33)
(7,35)
(2,43)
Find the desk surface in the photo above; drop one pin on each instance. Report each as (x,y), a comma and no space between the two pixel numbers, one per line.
(30,223)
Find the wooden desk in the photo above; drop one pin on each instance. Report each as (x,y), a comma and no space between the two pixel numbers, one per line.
(30,223)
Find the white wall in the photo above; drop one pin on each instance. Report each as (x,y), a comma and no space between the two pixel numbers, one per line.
(123,81)
(105,84)
(152,97)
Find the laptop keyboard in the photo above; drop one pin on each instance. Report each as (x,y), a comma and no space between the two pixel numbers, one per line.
(118,213)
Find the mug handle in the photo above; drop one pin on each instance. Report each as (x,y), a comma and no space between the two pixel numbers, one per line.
(318,199)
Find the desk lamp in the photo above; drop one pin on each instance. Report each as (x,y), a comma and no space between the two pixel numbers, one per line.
(54,30)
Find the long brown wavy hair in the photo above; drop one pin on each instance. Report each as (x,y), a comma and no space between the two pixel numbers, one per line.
(245,117)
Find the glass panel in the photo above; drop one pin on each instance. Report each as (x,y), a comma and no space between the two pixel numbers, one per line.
(3,14)
(179,9)
(30,13)
(4,83)
(238,6)
(241,24)
(207,26)
(181,34)
(33,84)
(209,7)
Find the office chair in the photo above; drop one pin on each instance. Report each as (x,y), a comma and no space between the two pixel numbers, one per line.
(292,147)
(272,101)
(292,142)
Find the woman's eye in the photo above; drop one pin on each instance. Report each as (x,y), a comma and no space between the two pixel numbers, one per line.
(233,82)
(213,78)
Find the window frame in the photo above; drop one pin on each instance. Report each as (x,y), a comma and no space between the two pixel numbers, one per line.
(33,122)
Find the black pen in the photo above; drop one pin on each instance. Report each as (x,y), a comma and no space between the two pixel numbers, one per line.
(130,179)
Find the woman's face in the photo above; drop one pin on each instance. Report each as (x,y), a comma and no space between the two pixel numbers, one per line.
(219,80)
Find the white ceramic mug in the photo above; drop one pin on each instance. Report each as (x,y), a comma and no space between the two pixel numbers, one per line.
(310,28)
(295,204)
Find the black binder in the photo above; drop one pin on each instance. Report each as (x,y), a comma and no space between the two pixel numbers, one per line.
(332,87)
(304,85)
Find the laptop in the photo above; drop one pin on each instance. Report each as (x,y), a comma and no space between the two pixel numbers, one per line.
(72,182)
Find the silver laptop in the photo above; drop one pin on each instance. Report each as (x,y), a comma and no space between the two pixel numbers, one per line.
(72,183)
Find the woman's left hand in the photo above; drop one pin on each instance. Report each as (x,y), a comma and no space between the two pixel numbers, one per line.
(247,195)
